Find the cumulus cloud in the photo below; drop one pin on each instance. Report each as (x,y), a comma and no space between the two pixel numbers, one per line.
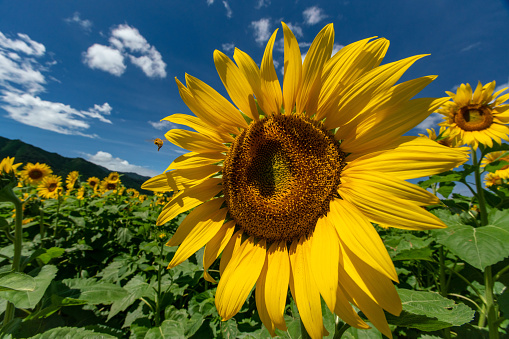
(313,15)
(430,122)
(210,2)
(22,79)
(335,49)
(105,59)
(296,30)
(84,24)
(161,125)
(228,46)
(502,86)
(261,30)
(126,42)
(229,12)
(107,160)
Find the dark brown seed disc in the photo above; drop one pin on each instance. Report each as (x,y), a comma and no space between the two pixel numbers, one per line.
(280,175)
(473,117)
(35,174)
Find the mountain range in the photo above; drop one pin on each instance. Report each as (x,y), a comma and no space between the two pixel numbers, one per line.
(61,165)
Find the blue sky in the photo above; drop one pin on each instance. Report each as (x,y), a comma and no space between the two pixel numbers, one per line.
(92,79)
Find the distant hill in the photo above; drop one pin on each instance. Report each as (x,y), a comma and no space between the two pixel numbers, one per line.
(61,166)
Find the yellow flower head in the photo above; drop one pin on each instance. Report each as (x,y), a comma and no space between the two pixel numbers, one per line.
(71,179)
(500,156)
(50,187)
(109,185)
(492,179)
(476,117)
(93,182)
(286,181)
(446,141)
(113,176)
(7,165)
(81,193)
(35,173)
(132,192)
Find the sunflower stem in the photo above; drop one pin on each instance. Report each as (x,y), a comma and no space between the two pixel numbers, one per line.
(340,328)
(489,300)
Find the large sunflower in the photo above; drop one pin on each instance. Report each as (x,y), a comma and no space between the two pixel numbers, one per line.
(478,117)
(497,156)
(285,185)
(50,187)
(35,173)
(71,179)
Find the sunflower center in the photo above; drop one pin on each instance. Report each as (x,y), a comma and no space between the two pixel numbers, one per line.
(280,175)
(35,174)
(111,186)
(52,187)
(474,117)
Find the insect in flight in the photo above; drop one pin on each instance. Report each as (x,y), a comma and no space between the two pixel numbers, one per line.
(158,142)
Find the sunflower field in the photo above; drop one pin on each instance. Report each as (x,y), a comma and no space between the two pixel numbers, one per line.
(301,211)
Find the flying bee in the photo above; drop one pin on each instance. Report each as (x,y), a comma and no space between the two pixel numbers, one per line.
(158,142)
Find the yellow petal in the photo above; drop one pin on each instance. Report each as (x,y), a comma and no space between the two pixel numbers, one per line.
(346,312)
(189,198)
(228,251)
(388,209)
(324,260)
(215,246)
(194,141)
(292,70)
(214,103)
(304,289)
(355,230)
(193,159)
(413,157)
(200,214)
(370,309)
(277,279)
(239,277)
(198,236)
(319,52)
(159,183)
(261,285)
(235,83)
(199,126)
(358,95)
(180,179)
(378,287)
(270,82)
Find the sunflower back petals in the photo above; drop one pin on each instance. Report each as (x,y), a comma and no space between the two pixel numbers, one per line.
(269,81)
(292,70)
(277,279)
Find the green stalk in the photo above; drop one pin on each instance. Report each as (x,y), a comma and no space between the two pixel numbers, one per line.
(491,309)
(18,243)
(159,271)
(443,285)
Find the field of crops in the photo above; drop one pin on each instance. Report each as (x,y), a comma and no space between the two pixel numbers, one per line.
(85,260)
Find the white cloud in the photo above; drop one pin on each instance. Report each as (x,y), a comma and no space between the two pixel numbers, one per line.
(85,24)
(313,15)
(105,59)
(502,86)
(431,121)
(161,125)
(336,48)
(53,116)
(107,160)
(471,46)
(262,3)
(261,30)
(228,46)
(21,79)
(229,12)
(210,2)
(23,44)
(126,42)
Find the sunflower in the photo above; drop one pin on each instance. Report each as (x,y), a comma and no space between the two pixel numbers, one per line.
(7,165)
(109,185)
(50,187)
(446,141)
(113,176)
(71,179)
(285,185)
(492,179)
(93,182)
(35,173)
(497,156)
(478,117)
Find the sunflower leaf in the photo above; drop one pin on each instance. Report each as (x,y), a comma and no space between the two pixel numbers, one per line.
(496,165)
(429,311)
(71,332)
(16,281)
(481,246)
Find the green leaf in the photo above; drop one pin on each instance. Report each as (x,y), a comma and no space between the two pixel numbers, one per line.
(481,246)
(443,177)
(429,311)
(28,299)
(169,329)
(16,281)
(137,288)
(446,188)
(50,253)
(503,302)
(496,165)
(93,292)
(71,332)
